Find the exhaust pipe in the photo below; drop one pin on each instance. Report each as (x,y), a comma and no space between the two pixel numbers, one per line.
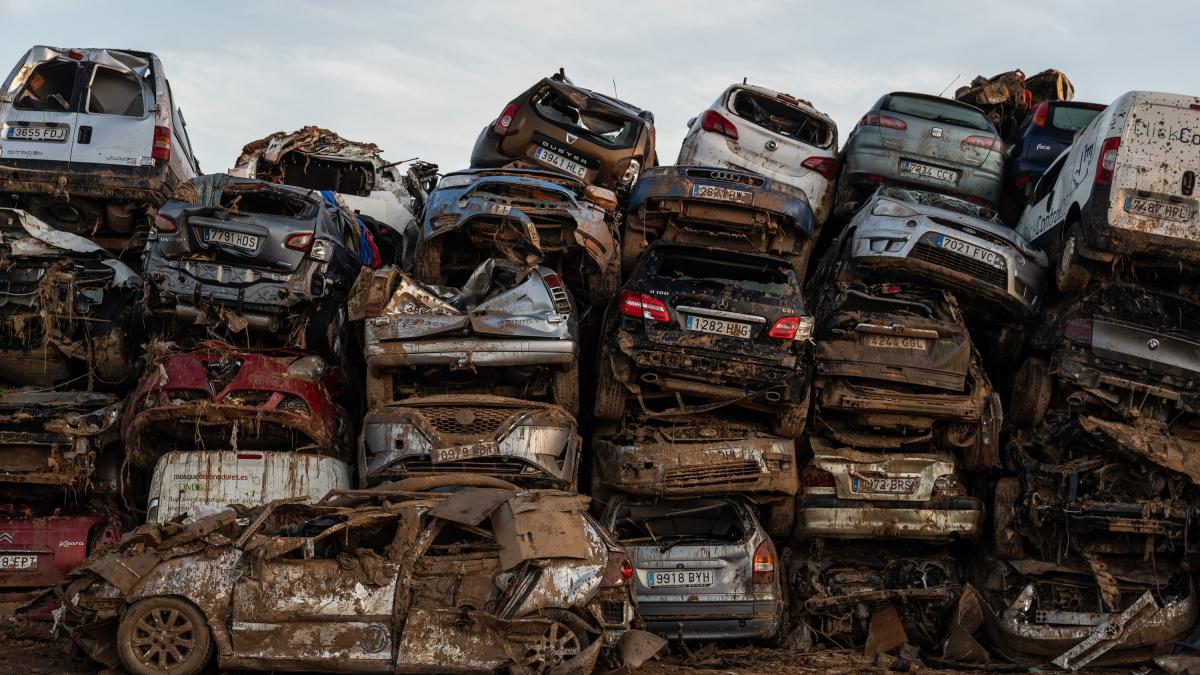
(773,396)
(650,378)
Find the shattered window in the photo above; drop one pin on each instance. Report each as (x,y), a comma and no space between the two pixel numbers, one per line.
(941,201)
(602,127)
(267,202)
(782,118)
(1072,119)
(456,539)
(315,173)
(948,112)
(753,274)
(50,88)
(885,299)
(699,521)
(115,93)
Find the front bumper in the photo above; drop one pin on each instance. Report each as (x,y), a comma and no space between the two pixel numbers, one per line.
(726,620)
(939,520)
(754,466)
(468,352)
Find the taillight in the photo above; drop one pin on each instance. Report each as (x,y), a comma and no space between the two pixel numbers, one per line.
(505,119)
(164,224)
(792,328)
(1107,161)
(713,121)
(1079,329)
(985,142)
(1022,181)
(642,306)
(826,166)
(764,563)
(618,571)
(558,293)
(877,120)
(299,241)
(162,144)
(249,455)
(1041,114)
(814,477)
(75,55)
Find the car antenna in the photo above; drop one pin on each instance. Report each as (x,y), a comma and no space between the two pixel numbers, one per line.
(951,83)
(743,79)
(615,94)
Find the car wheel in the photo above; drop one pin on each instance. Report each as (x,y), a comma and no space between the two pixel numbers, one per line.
(1031,393)
(564,387)
(427,263)
(1006,540)
(843,195)
(1070,275)
(326,332)
(604,285)
(610,394)
(779,517)
(791,420)
(163,636)
(564,637)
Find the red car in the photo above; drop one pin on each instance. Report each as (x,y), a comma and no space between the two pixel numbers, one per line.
(220,397)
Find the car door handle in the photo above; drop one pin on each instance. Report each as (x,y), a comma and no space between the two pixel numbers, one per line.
(85,135)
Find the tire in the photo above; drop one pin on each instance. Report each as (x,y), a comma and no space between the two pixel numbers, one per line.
(1031,392)
(779,517)
(327,332)
(844,194)
(427,263)
(604,286)
(1070,276)
(564,387)
(791,420)
(1006,541)
(564,638)
(610,394)
(174,638)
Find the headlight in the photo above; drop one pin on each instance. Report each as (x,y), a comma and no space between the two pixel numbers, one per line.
(631,172)
(887,207)
(546,443)
(309,368)
(450,182)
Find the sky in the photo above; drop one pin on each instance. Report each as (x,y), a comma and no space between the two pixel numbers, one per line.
(422,79)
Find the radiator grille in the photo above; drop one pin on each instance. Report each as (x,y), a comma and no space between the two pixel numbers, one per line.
(449,420)
(712,474)
(961,263)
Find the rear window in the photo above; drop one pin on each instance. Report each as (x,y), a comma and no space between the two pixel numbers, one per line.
(703,521)
(267,202)
(50,88)
(1064,118)
(316,173)
(115,93)
(780,117)
(937,111)
(891,299)
(942,202)
(604,128)
(752,274)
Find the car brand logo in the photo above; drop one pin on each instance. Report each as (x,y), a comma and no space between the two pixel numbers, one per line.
(726,176)
(571,138)
(968,230)
(771,145)
(67,543)
(722,304)
(464,417)
(6,537)
(1152,343)
(936,132)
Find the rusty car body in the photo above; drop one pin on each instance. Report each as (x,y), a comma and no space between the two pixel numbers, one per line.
(700,456)
(896,368)
(1009,98)
(67,307)
(850,494)
(524,442)
(703,567)
(91,142)
(715,326)
(520,214)
(722,207)
(406,580)
(509,328)
(52,441)
(218,397)
(559,126)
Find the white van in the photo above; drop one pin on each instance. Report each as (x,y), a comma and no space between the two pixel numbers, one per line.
(199,482)
(1124,193)
(98,126)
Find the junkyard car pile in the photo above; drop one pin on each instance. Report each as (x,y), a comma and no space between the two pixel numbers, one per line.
(929,395)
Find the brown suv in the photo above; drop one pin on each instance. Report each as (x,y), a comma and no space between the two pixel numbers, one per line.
(596,138)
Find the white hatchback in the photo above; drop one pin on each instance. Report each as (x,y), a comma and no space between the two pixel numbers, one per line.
(769,133)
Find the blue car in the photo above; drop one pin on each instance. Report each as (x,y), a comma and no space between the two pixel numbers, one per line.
(1047,132)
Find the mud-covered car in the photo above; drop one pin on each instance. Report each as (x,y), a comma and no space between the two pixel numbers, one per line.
(92,141)
(698,328)
(258,256)
(219,397)
(896,368)
(478,214)
(721,207)
(68,307)
(53,441)
(700,456)
(850,494)
(1080,613)
(938,240)
(524,442)
(557,125)
(40,545)
(396,581)
(510,329)
(703,568)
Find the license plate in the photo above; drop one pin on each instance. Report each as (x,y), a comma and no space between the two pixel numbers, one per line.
(883,485)
(41,132)
(679,578)
(559,162)
(897,342)
(722,193)
(1156,209)
(247,242)
(18,562)
(458,453)
(703,324)
(971,251)
(926,171)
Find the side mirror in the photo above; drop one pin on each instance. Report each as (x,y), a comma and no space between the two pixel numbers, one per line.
(691,122)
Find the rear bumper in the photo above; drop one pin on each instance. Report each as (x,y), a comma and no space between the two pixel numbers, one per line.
(468,352)
(935,521)
(712,620)
(1107,230)
(757,466)
(151,184)
(182,287)
(985,181)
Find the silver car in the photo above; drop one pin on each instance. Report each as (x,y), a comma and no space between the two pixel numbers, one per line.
(951,242)
(704,569)
(924,140)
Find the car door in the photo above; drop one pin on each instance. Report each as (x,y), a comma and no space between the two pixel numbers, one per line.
(1044,210)
(116,125)
(40,111)
(328,602)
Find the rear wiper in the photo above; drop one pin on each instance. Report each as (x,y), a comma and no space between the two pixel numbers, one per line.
(683,540)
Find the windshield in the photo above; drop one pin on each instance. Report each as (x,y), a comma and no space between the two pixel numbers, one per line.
(668,524)
(760,275)
(937,111)
(942,202)
(604,128)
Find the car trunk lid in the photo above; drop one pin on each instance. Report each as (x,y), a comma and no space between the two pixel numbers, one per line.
(1157,164)
(777,133)
(253,225)
(883,476)
(936,129)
